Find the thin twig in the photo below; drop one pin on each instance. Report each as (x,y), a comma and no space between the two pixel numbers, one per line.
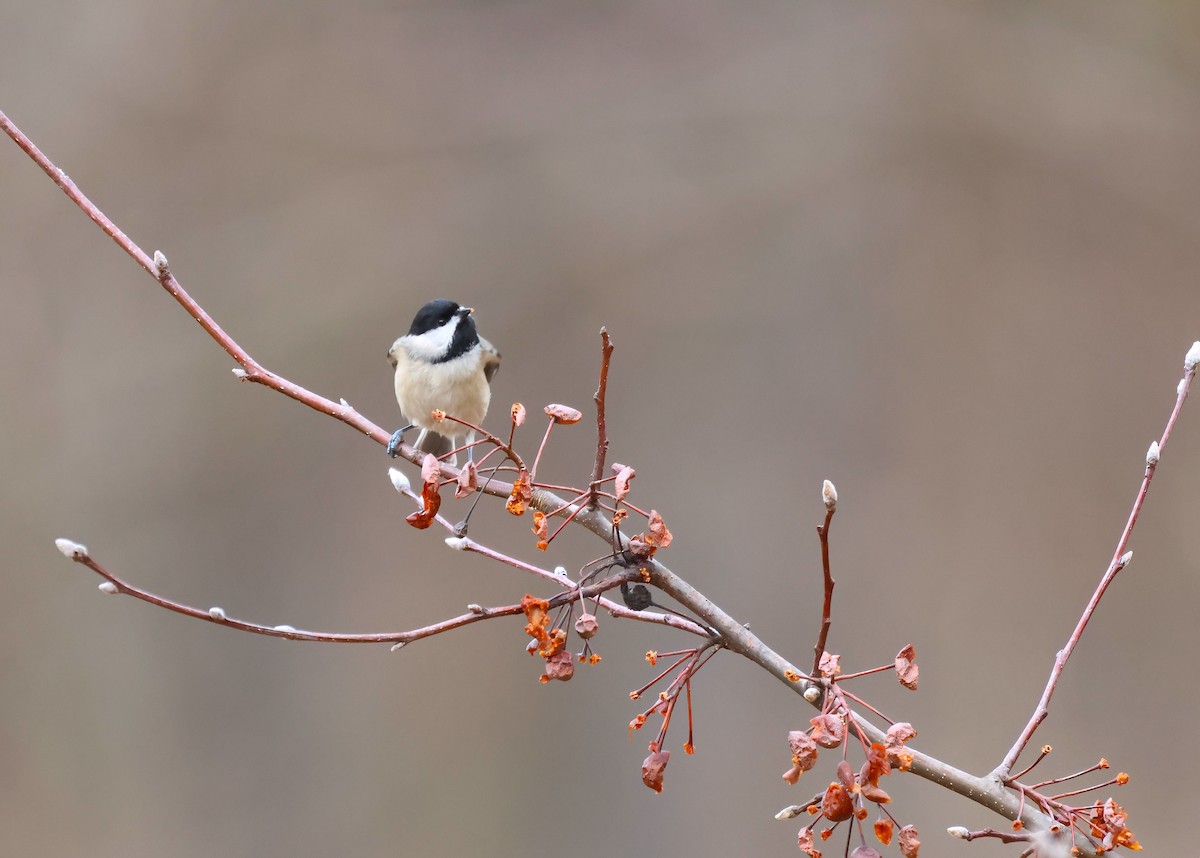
(606,350)
(1118,562)
(733,635)
(218,617)
(826,609)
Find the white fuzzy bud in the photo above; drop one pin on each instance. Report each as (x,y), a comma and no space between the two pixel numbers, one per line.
(812,694)
(958,831)
(791,812)
(829,495)
(216,613)
(160,264)
(286,629)
(458,543)
(396,647)
(108,587)
(345,404)
(476,609)
(1180,387)
(71,549)
(399,480)
(1152,454)
(1192,358)
(1125,560)
(239,373)
(560,571)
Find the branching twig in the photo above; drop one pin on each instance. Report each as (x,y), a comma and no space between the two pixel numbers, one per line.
(79,554)
(987,791)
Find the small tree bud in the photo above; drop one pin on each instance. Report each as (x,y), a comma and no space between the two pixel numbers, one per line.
(399,481)
(216,613)
(829,495)
(71,549)
(1192,358)
(108,587)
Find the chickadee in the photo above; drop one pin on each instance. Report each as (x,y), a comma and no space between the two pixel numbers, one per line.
(442,364)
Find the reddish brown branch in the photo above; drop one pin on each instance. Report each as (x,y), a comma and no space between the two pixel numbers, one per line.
(733,634)
(606,350)
(1119,560)
(827,607)
(218,616)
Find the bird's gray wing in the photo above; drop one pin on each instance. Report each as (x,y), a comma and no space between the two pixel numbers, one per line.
(491,359)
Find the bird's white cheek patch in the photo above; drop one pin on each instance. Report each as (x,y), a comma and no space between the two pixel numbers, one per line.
(433,344)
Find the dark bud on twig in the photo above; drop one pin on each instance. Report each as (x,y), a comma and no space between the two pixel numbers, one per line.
(637,597)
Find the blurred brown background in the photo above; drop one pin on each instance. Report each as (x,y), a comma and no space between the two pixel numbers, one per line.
(945,255)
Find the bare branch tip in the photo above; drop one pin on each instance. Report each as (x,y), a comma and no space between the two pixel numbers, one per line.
(71,549)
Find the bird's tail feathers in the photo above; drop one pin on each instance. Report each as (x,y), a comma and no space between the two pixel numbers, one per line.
(432,442)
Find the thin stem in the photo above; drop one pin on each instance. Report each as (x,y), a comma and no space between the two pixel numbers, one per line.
(1046,749)
(538,458)
(826,610)
(844,676)
(1115,565)
(488,436)
(606,350)
(864,704)
(218,617)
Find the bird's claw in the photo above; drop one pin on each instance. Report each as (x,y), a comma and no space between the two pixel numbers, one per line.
(393,446)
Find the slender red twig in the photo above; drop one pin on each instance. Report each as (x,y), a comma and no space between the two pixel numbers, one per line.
(826,609)
(606,350)
(1045,752)
(732,634)
(842,677)
(1100,766)
(218,616)
(1118,562)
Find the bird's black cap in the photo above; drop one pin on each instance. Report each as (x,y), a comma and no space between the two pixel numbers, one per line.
(437,313)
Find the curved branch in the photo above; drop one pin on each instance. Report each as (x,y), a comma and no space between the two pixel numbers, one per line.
(988,791)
